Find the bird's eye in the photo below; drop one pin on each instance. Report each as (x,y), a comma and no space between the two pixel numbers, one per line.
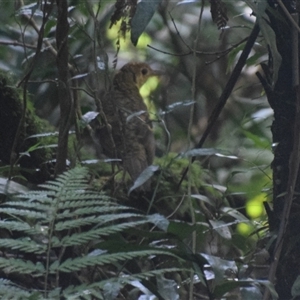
(144,71)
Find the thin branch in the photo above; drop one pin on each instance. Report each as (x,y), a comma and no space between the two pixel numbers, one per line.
(227,91)
(198,53)
(191,117)
(177,31)
(288,15)
(168,53)
(65,98)
(13,154)
(33,24)
(17,44)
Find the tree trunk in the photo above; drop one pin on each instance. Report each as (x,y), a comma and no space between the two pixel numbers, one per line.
(283,99)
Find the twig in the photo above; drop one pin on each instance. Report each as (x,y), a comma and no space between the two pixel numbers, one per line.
(198,53)
(191,117)
(288,15)
(176,208)
(163,168)
(168,53)
(46,42)
(226,92)
(17,44)
(65,99)
(25,79)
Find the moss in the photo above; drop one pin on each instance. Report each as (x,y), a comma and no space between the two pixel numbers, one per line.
(173,165)
(32,162)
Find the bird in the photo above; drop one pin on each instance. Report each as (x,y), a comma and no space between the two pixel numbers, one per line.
(128,133)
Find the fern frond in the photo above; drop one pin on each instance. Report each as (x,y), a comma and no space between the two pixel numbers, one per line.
(102,219)
(74,178)
(78,263)
(77,239)
(14,225)
(83,201)
(82,290)
(29,205)
(9,290)
(24,213)
(16,265)
(54,225)
(23,244)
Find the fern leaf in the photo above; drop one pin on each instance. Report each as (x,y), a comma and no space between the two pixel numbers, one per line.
(78,263)
(24,213)
(16,265)
(87,211)
(28,205)
(83,201)
(69,224)
(14,225)
(9,290)
(24,244)
(77,239)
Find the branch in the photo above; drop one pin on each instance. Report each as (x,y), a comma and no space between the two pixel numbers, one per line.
(64,94)
(13,154)
(288,15)
(17,44)
(226,92)
(198,53)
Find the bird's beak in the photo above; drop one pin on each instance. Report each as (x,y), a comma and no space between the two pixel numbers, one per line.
(157,73)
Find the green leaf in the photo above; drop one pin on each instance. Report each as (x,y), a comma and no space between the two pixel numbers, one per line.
(296,287)
(230,285)
(221,228)
(111,290)
(234,213)
(201,152)
(220,266)
(144,13)
(143,177)
(269,35)
(180,229)
(233,55)
(160,221)
(259,141)
(167,288)
(11,187)
(49,25)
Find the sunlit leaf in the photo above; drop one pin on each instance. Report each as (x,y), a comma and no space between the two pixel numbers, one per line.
(11,187)
(89,116)
(167,288)
(187,2)
(136,114)
(159,220)
(221,267)
(221,228)
(79,76)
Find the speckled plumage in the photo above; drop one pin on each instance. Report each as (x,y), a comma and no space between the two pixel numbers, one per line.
(129,122)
